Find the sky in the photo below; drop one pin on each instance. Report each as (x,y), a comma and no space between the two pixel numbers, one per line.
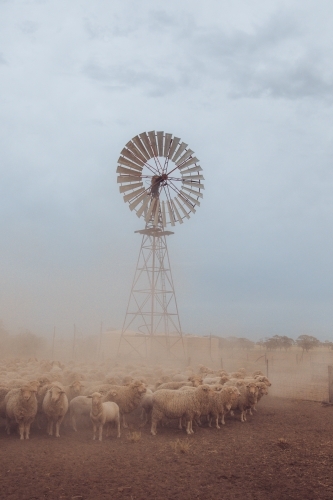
(248,85)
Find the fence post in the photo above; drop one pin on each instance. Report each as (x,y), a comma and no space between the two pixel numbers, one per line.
(267,368)
(330,384)
(221,364)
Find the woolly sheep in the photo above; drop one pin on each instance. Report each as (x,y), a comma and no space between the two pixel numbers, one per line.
(128,397)
(21,407)
(178,404)
(103,413)
(78,407)
(55,406)
(248,398)
(221,402)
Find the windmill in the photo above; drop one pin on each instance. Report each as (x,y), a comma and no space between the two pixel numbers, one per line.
(161,179)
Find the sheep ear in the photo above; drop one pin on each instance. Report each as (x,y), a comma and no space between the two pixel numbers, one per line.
(89,396)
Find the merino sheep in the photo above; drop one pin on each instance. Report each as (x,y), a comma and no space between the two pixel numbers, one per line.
(178,404)
(21,407)
(128,397)
(103,413)
(55,406)
(248,398)
(78,407)
(221,402)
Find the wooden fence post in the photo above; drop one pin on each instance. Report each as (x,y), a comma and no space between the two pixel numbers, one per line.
(330,384)
(267,368)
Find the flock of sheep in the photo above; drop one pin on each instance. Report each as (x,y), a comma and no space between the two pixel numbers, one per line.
(47,392)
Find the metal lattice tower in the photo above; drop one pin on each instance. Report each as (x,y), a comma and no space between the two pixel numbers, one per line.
(173,179)
(152,308)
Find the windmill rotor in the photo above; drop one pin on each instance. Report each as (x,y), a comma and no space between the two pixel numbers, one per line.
(160,178)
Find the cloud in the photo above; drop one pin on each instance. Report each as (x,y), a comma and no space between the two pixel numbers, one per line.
(275,60)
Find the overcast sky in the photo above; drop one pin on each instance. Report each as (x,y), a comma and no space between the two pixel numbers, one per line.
(248,85)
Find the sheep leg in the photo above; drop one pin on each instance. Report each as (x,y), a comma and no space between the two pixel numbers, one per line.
(217,422)
(94,431)
(188,427)
(27,430)
(180,425)
(73,422)
(57,427)
(222,420)
(118,428)
(50,427)
(21,429)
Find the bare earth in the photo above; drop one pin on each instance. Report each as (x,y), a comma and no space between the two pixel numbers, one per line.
(245,461)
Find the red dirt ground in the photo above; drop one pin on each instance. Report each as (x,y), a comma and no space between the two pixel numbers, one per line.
(245,461)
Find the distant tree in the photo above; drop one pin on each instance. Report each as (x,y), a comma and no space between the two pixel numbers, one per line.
(278,342)
(307,342)
(244,343)
(328,344)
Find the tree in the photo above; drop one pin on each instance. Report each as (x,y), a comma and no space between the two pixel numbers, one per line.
(307,342)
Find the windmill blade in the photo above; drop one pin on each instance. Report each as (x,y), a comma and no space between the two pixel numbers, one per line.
(136,202)
(189,162)
(179,151)
(132,147)
(184,157)
(150,209)
(145,140)
(128,178)
(192,200)
(130,156)
(137,141)
(128,163)
(163,214)
(174,144)
(160,143)
(157,209)
(129,197)
(153,143)
(176,212)
(167,143)
(123,189)
(197,168)
(143,206)
(194,177)
(196,193)
(172,220)
(194,183)
(182,208)
(122,170)
(189,206)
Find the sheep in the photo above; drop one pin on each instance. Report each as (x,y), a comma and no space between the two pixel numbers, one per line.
(103,413)
(73,390)
(178,404)
(128,397)
(248,397)
(221,402)
(173,385)
(78,407)
(262,391)
(215,380)
(21,406)
(55,406)
(146,405)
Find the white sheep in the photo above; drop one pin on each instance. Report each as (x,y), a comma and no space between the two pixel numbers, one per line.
(55,406)
(247,399)
(103,413)
(178,404)
(78,407)
(21,407)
